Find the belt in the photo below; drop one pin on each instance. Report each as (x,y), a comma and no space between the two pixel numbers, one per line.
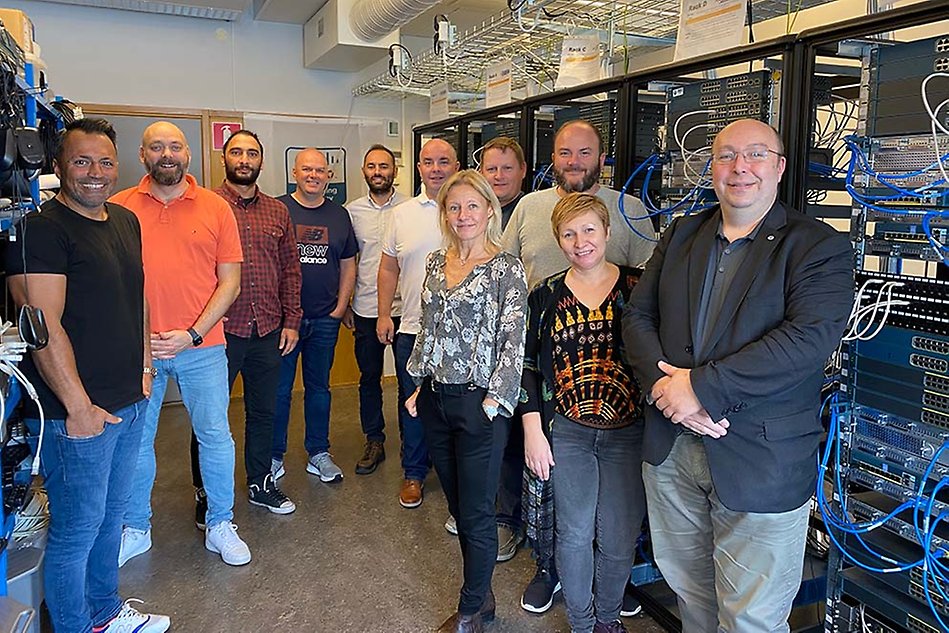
(452,388)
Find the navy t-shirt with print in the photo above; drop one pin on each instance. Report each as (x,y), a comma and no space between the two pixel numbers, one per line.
(324,237)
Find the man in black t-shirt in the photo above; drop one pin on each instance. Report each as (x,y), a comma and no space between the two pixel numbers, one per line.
(80,261)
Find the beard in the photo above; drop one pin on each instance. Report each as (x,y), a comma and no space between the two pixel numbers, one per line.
(590,178)
(378,189)
(166,178)
(237,179)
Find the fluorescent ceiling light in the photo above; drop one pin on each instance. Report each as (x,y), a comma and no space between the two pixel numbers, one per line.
(165,8)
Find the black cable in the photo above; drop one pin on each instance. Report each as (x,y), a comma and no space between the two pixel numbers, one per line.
(751,32)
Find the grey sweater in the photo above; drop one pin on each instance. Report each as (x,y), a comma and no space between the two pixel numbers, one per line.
(529,236)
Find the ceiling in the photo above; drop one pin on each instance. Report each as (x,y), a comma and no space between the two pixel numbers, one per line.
(465,14)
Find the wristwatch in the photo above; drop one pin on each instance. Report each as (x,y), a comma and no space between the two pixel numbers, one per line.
(196,339)
(150,371)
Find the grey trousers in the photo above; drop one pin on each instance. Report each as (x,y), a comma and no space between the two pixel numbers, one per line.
(732,572)
(598,499)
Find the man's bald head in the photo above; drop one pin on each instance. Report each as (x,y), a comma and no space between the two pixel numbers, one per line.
(750,128)
(437,162)
(311,172)
(165,153)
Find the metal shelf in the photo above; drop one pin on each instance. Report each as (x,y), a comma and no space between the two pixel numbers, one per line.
(534,41)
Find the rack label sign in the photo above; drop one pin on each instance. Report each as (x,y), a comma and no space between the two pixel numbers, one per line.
(579,61)
(438,108)
(707,26)
(498,82)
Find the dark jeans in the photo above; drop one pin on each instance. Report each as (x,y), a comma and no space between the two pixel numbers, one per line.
(512,477)
(467,449)
(600,502)
(318,347)
(415,459)
(370,356)
(257,360)
(88,480)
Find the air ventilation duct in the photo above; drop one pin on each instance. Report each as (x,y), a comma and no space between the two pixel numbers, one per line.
(329,42)
(373,19)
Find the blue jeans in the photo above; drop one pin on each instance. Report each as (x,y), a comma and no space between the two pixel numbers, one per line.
(370,356)
(600,504)
(415,459)
(201,374)
(88,481)
(317,346)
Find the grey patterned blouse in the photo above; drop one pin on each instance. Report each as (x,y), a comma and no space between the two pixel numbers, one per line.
(474,332)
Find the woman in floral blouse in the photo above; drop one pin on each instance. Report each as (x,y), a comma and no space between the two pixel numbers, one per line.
(582,416)
(467,361)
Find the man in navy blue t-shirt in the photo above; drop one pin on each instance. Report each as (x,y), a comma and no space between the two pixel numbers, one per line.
(327,249)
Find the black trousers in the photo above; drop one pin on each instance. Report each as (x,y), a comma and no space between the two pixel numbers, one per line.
(467,449)
(257,359)
(511,486)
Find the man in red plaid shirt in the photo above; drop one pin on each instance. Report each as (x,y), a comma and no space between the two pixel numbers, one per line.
(263,323)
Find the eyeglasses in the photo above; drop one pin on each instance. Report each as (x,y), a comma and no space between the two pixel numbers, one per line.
(757,154)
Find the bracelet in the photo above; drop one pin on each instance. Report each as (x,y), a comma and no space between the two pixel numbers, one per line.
(150,371)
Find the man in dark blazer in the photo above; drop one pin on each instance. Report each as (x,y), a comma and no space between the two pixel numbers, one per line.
(728,332)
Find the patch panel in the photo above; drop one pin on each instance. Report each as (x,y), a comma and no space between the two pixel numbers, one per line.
(881,505)
(928,363)
(934,418)
(937,384)
(916,590)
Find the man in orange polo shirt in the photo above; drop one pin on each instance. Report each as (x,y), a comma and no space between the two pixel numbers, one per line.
(191,251)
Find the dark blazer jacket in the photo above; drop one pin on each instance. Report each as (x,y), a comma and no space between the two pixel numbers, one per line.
(762,367)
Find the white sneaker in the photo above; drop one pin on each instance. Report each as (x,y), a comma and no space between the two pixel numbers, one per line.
(130,620)
(223,539)
(277,469)
(323,466)
(451,526)
(134,542)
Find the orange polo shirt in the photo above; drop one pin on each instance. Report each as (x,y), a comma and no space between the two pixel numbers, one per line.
(183,241)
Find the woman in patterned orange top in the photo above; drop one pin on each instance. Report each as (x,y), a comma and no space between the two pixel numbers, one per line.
(583,416)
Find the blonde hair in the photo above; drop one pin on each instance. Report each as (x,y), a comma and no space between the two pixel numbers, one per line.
(573,205)
(476,181)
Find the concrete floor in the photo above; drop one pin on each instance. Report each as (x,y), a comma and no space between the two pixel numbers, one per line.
(350,559)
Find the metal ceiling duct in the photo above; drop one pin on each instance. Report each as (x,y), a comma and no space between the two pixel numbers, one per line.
(373,19)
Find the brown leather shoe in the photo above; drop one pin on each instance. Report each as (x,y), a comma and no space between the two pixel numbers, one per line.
(458,623)
(411,494)
(373,455)
(488,607)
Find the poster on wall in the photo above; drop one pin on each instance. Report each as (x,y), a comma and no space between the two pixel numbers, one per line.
(336,160)
(579,61)
(438,109)
(708,26)
(498,82)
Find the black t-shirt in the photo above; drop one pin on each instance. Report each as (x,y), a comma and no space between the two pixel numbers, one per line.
(324,237)
(102,262)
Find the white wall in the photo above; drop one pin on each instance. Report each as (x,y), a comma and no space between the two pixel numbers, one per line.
(109,56)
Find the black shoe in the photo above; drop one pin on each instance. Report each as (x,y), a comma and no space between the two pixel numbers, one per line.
(613,627)
(631,605)
(539,594)
(200,508)
(373,455)
(266,494)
